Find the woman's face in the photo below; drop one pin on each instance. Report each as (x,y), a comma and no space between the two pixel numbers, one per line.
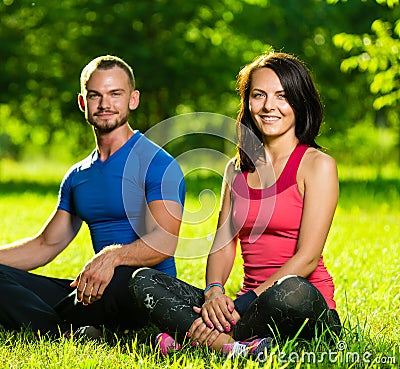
(269,108)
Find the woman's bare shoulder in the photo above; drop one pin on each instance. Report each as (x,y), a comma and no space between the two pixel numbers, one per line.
(315,158)
(318,163)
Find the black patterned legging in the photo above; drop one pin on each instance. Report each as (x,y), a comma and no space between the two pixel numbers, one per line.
(289,305)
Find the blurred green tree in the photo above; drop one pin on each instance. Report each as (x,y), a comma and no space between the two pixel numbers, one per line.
(377,54)
(186,56)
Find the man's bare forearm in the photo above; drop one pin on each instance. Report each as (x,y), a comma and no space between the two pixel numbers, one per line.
(26,254)
(149,250)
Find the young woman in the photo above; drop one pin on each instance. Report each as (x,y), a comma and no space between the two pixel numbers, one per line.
(278,200)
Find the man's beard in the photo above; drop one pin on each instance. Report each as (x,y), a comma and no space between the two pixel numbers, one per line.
(107,125)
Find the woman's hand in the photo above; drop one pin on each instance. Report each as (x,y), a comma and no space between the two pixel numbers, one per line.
(199,333)
(217,311)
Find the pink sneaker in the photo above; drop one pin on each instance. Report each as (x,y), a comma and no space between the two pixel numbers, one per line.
(166,343)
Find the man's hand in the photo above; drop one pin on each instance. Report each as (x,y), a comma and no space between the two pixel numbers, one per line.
(95,276)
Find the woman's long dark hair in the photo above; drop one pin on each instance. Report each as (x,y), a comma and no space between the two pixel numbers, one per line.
(301,94)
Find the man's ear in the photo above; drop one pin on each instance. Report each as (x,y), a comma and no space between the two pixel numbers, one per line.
(134,99)
(81,103)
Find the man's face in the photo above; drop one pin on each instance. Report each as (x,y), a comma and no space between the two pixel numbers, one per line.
(109,99)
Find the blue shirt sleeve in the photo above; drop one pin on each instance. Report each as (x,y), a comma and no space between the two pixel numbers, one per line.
(164,179)
(65,194)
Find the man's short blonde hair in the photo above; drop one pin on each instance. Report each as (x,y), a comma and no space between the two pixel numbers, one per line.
(105,62)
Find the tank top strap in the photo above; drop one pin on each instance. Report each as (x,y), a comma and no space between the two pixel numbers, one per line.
(288,176)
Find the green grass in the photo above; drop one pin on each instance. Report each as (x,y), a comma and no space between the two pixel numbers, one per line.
(362,254)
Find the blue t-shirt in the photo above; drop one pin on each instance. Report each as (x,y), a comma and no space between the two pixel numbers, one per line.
(111,196)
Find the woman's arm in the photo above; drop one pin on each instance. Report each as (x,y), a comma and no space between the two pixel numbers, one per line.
(217,309)
(223,251)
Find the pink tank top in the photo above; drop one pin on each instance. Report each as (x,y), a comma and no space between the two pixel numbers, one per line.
(268,223)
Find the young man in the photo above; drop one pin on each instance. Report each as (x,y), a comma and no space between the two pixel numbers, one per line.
(129,191)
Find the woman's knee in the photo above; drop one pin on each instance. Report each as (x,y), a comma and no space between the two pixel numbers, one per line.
(147,280)
(141,273)
(294,293)
(140,279)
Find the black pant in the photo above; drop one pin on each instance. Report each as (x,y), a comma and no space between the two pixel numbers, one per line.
(49,305)
(281,310)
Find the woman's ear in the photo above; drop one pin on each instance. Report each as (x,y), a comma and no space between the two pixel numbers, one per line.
(81,103)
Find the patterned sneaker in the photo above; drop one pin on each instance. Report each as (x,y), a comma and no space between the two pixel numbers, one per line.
(87,332)
(255,349)
(166,343)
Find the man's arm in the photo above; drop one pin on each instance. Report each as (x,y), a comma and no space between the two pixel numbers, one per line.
(31,253)
(163,222)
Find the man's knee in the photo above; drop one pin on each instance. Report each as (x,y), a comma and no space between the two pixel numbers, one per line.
(10,274)
(5,269)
